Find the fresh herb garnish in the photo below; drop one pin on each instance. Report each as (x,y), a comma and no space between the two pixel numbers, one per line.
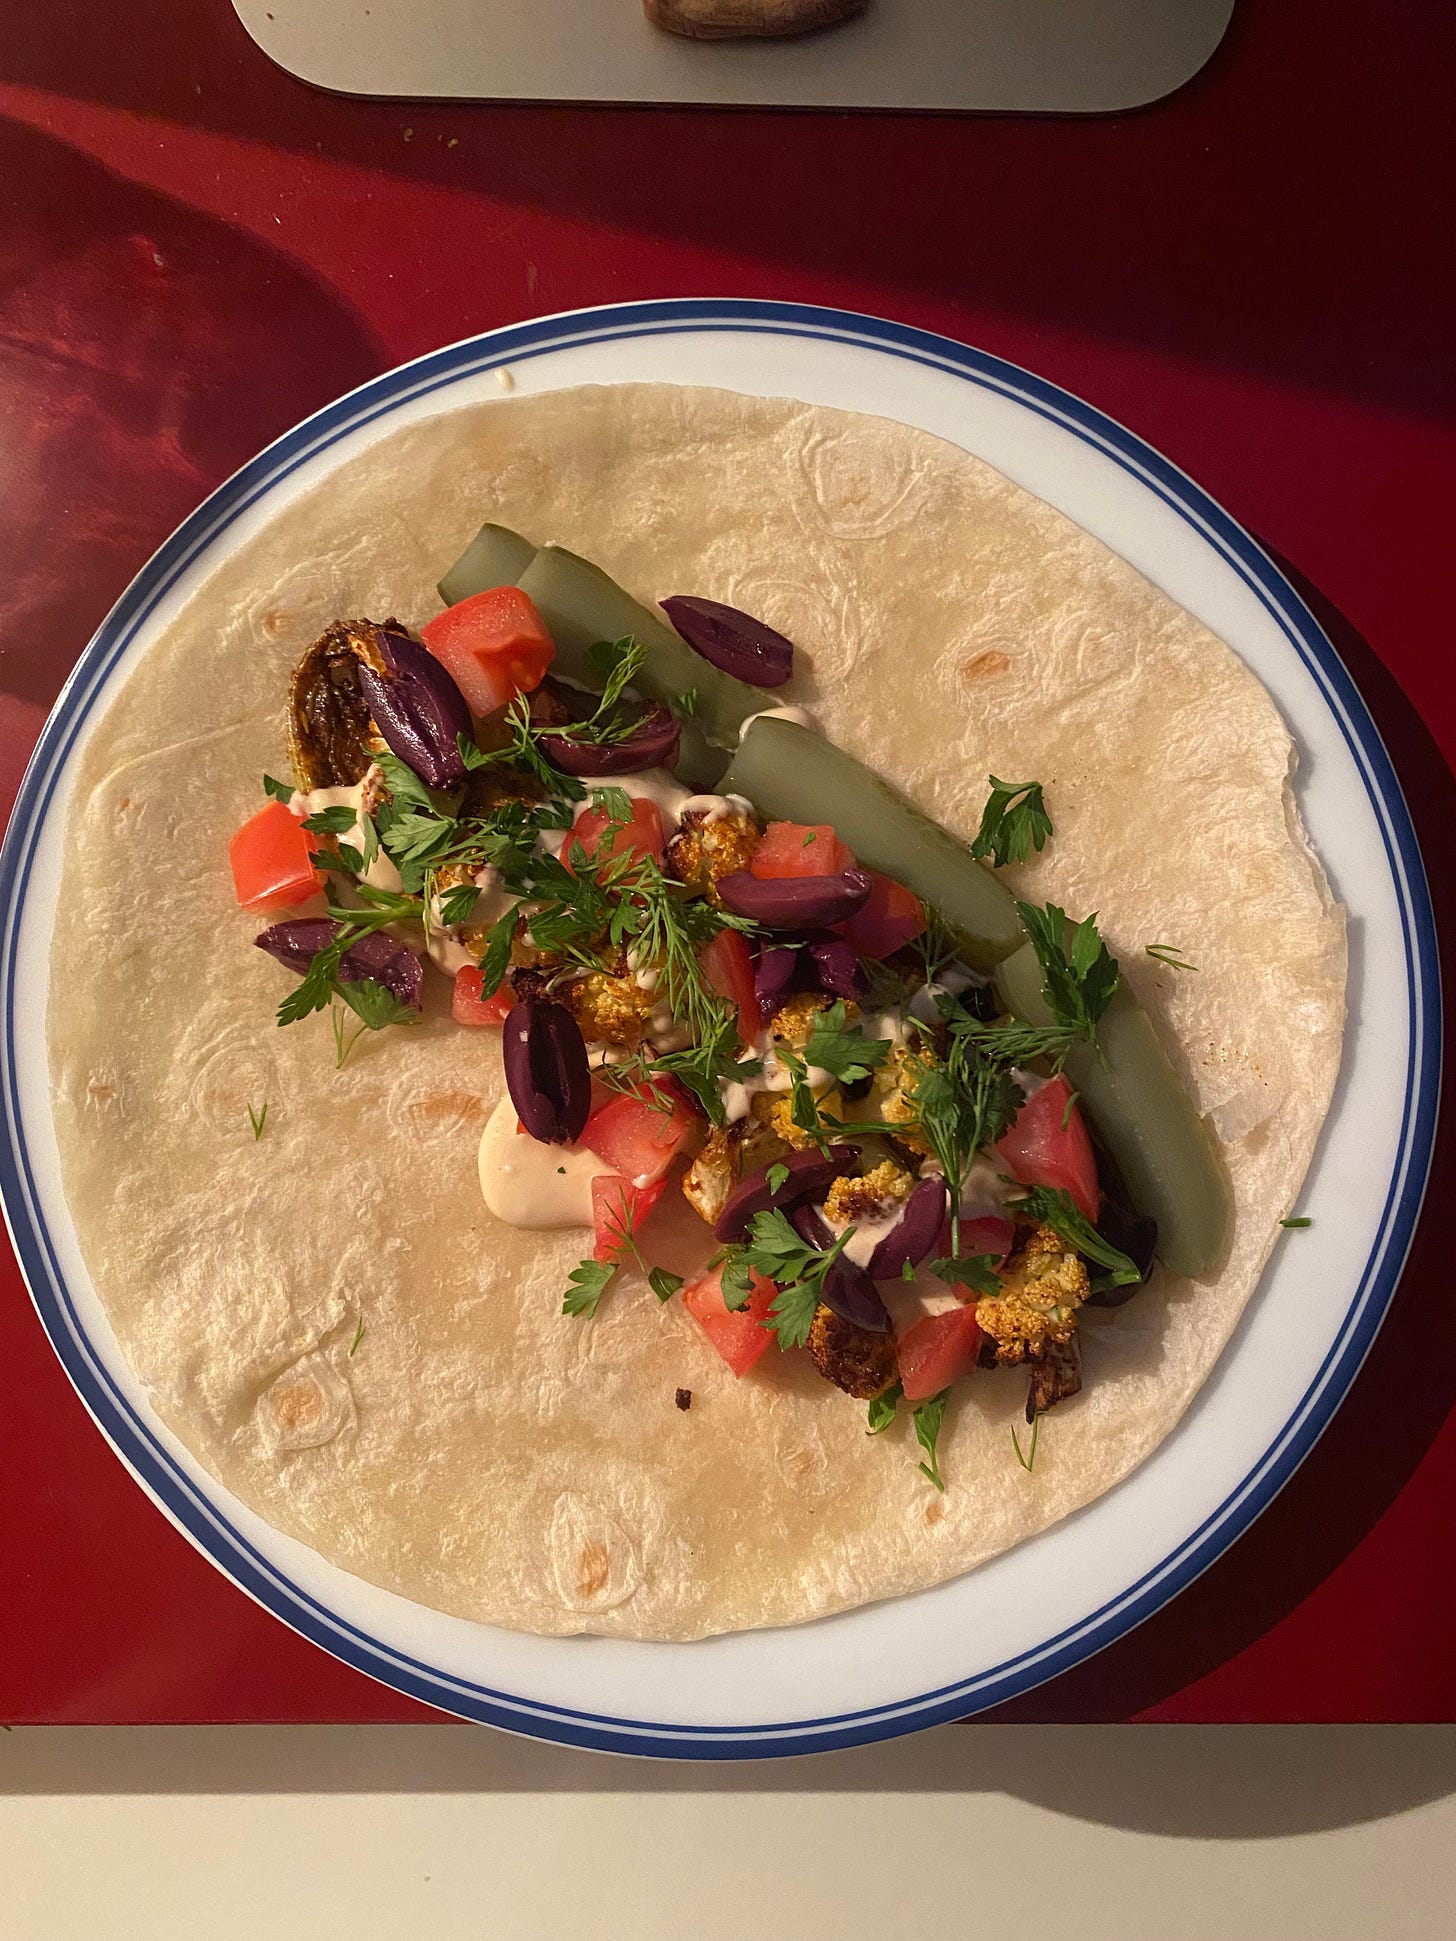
(975,1271)
(376,1004)
(963,1103)
(842,1049)
(457,904)
(1077,983)
(1013,823)
(775,1250)
(1055,1208)
(882,1409)
(1010,1041)
(927,1419)
(358,1337)
(330,822)
(663,1284)
(1030,1457)
(907,1270)
(777,1176)
(1072,1098)
(1297,1220)
(688,703)
(1170,955)
(280,791)
(497,955)
(257,1120)
(586,1285)
(320,982)
(344,1041)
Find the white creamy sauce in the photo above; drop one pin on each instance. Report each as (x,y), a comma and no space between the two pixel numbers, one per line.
(1029,1081)
(361,797)
(647,785)
(528,1184)
(738,1094)
(800,716)
(867,1233)
(444,941)
(982,1190)
(952,981)
(716,808)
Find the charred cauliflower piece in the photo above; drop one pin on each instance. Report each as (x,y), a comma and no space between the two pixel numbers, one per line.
(729,1153)
(611,1010)
(794,1020)
(704,849)
(864,1365)
(331,733)
(1057,1375)
(869,1197)
(892,1095)
(1034,1311)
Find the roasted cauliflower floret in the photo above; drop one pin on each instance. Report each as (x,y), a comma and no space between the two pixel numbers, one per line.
(862,1364)
(892,1095)
(728,1154)
(794,1019)
(870,1197)
(775,1111)
(611,1010)
(1034,1310)
(706,848)
(1057,1375)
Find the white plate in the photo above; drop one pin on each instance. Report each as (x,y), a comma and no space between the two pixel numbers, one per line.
(1019,1620)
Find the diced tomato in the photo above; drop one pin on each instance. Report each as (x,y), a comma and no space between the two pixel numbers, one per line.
(469,1007)
(1047,1145)
(619,1208)
(728,967)
(739,1337)
(988,1233)
(800,849)
(937,1351)
(494,644)
(636,1139)
(642,836)
(270,859)
(892,917)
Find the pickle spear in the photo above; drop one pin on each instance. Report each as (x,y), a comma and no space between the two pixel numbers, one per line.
(495,557)
(791,774)
(1165,1152)
(581,606)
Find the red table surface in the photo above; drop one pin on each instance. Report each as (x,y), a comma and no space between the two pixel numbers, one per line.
(196,250)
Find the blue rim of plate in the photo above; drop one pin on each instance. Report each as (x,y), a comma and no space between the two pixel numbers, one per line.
(136,1440)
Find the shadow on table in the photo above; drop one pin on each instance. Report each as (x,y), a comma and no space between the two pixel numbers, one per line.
(1196,1782)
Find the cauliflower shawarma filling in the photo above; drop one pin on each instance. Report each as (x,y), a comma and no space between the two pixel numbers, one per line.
(725,960)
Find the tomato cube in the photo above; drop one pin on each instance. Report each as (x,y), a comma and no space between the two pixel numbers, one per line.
(892,918)
(619,1208)
(641,836)
(271,860)
(800,849)
(467,1005)
(494,644)
(740,1337)
(937,1351)
(728,967)
(636,1138)
(1047,1145)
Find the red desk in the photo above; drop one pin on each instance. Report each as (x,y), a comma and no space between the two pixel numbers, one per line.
(196,250)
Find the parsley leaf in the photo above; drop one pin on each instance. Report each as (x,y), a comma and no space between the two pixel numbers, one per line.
(736,1280)
(882,1409)
(457,904)
(376,1004)
(280,791)
(1077,983)
(975,1271)
(1013,823)
(927,1419)
(842,1049)
(1055,1208)
(330,822)
(792,1313)
(663,1284)
(494,963)
(586,1285)
(777,1176)
(777,1251)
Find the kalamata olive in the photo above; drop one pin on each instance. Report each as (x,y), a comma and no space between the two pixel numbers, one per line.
(731,640)
(417,708)
(914,1235)
(795,902)
(837,968)
(1132,1234)
(547,1074)
(377,956)
(773,974)
(651,743)
(809,1173)
(848,1290)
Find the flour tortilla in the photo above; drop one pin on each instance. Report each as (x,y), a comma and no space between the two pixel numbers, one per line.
(477,1451)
